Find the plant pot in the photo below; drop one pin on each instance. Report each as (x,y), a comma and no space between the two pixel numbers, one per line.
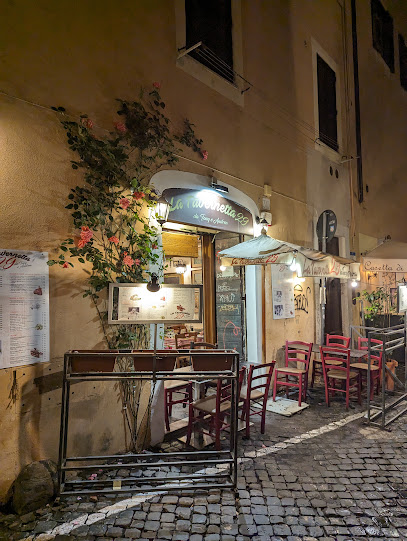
(92,362)
(212,360)
(164,362)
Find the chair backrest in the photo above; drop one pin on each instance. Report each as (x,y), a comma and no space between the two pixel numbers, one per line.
(298,351)
(224,390)
(259,378)
(337,341)
(203,345)
(178,329)
(330,353)
(185,338)
(363,343)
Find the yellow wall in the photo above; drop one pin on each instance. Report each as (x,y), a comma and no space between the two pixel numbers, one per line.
(84,55)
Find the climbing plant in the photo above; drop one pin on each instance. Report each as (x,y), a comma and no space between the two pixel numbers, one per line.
(110,208)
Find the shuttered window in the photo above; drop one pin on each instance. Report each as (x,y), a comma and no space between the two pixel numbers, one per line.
(403,62)
(210,21)
(327,113)
(382,32)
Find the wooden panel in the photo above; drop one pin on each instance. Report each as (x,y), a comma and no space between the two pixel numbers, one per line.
(208,263)
(180,245)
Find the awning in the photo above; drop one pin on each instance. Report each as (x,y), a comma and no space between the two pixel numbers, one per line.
(265,250)
(391,256)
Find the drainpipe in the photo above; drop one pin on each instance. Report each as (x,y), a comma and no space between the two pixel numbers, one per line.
(357,102)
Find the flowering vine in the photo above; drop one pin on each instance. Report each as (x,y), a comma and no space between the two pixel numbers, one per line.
(112,235)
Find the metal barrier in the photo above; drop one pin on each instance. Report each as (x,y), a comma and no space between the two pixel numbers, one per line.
(217,469)
(393,338)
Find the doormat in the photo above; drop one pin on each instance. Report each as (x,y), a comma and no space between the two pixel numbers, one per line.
(284,406)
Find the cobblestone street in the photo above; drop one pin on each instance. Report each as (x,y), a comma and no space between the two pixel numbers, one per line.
(321,474)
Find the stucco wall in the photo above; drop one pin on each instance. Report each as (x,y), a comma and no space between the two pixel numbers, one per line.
(82,56)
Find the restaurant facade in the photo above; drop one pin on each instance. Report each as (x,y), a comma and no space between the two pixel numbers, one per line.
(266,165)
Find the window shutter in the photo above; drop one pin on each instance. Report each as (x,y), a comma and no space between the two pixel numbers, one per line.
(210,21)
(327,112)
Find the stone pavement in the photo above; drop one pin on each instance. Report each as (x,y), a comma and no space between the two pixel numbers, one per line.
(344,482)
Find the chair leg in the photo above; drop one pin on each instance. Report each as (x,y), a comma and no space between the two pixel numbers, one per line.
(313,374)
(326,380)
(299,389)
(169,403)
(286,387)
(167,419)
(263,416)
(190,424)
(275,386)
(247,413)
(347,394)
(217,432)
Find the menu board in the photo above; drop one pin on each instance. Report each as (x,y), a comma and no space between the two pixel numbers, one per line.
(283,292)
(24,308)
(230,328)
(402,298)
(133,303)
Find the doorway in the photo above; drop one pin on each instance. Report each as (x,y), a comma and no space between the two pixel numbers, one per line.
(333,309)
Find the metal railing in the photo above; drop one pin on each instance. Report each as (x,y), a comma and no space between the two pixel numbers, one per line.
(219,468)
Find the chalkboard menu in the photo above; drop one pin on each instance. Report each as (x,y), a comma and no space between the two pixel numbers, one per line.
(229,303)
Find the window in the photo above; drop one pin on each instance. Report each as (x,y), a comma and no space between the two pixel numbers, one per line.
(403,62)
(210,21)
(327,112)
(382,31)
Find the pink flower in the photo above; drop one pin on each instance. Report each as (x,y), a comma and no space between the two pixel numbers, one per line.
(65,265)
(137,262)
(81,243)
(127,260)
(154,246)
(120,127)
(138,195)
(124,203)
(86,235)
(204,154)
(87,122)
(114,239)
(156,84)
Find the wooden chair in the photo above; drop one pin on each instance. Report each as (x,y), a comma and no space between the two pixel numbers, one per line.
(210,412)
(335,341)
(293,354)
(179,387)
(184,339)
(203,345)
(336,368)
(256,392)
(376,363)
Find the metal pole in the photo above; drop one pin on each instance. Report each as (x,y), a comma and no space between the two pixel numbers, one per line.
(369,367)
(384,382)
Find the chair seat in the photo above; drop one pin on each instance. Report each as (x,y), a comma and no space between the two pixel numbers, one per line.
(253,395)
(364,366)
(208,405)
(289,370)
(331,363)
(168,384)
(338,374)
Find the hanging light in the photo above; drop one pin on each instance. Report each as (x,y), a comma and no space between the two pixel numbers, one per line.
(293,266)
(180,268)
(153,284)
(354,283)
(222,268)
(162,210)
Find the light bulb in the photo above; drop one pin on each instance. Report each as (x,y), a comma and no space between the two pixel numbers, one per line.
(354,283)
(222,268)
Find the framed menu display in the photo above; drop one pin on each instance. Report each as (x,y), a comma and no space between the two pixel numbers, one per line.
(24,308)
(402,298)
(173,303)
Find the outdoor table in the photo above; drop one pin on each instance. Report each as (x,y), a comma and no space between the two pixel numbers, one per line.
(354,353)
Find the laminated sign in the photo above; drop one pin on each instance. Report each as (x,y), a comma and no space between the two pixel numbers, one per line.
(24,308)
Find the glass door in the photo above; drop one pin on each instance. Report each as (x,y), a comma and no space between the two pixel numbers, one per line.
(230,299)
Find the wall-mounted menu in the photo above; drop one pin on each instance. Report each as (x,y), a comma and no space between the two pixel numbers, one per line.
(283,292)
(24,308)
(133,303)
(229,304)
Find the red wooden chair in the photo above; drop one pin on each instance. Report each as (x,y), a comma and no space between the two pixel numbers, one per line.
(211,411)
(336,368)
(335,341)
(256,392)
(376,363)
(293,354)
(179,387)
